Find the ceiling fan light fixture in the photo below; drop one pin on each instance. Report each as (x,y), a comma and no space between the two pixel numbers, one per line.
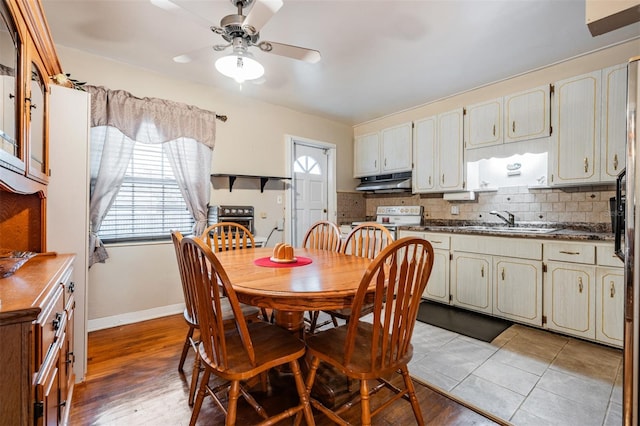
(241,66)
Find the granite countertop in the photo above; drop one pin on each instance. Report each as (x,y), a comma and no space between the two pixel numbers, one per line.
(541,230)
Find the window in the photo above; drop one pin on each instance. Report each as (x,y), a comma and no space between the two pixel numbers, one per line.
(306,164)
(149,204)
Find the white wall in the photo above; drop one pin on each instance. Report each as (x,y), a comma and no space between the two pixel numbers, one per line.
(141,281)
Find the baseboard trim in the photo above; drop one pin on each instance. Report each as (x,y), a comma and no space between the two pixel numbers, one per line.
(133,317)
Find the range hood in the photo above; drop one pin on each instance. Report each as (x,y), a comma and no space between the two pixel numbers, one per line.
(395,182)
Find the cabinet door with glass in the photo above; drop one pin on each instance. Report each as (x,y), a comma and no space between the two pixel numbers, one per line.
(36,116)
(11,150)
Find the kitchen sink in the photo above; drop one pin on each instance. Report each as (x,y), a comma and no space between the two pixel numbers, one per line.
(509,230)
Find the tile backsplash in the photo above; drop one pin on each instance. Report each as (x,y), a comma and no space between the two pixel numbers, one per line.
(588,204)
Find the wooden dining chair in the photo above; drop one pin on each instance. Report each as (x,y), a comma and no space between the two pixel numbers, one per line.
(365,240)
(322,235)
(367,351)
(243,352)
(251,313)
(225,236)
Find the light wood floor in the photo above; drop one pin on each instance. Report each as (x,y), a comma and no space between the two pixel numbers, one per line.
(133,379)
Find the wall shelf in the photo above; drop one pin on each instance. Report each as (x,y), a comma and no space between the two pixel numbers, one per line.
(263,179)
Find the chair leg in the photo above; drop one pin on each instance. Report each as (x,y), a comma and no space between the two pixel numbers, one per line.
(232,407)
(303,393)
(185,348)
(194,378)
(334,320)
(314,321)
(412,395)
(365,403)
(201,393)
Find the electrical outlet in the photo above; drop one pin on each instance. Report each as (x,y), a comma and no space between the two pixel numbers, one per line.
(263,215)
(455,210)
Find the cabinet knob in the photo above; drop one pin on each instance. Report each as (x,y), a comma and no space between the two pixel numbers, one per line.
(72,287)
(580,286)
(513,126)
(502,273)
(429,180)
(586,164)
(494,130)
(613,289)
(11,96)
(443,178)
(482,271)
(615,162)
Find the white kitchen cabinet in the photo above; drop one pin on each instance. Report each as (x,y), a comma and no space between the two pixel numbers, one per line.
(438,153)
(613,137)
(471,281)
(609,296)
(366,155)
(517,289)
(438,286)
(498,276)
(396,149)
(388,151)
(483,125)
(527,114)
(425,154)
(610,305)
(450,165)
(569,288)
(574,157)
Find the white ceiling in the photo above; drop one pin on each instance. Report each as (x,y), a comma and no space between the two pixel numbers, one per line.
(378,56)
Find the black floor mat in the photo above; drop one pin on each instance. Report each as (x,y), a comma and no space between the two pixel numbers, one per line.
(461,321)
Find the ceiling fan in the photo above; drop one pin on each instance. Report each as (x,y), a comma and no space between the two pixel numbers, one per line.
(241,32)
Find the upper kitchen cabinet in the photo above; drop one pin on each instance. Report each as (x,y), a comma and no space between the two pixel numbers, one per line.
(366,155)
(527,114)
(11,153)
(388,151)
(574,157)
(438,152)
(396,149)
(28,60)
(589,114)
(483,126)
(450,151)
(613,138)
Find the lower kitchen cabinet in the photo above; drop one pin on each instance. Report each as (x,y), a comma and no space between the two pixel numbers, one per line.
(438,285)
(610,305)
(471,281)
(569,298)
(517,289)
(36,359)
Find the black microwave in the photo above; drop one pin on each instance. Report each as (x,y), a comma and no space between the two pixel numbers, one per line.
(617,206)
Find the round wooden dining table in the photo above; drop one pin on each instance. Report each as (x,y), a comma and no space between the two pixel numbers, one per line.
(329,281)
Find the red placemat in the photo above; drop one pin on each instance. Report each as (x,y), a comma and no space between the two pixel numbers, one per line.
(265,261)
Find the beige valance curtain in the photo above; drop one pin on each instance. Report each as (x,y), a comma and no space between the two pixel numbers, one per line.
(119,120)
(172,120)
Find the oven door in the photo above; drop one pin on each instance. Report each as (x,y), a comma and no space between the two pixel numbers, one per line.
(618,213)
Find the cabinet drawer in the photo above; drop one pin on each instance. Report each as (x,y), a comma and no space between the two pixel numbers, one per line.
(438,241)
(49,326)
(69,287)
(523,248)
(606,256)
(571,252)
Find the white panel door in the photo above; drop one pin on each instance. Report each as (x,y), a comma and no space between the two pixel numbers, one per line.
(396,149)
(614,122)
(366,155)
(450,151)
(518,289)
(484,124)
(527,114)
(471,281)
(310,188)
(610,305)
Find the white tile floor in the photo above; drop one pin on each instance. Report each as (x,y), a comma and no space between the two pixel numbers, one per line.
(527,376)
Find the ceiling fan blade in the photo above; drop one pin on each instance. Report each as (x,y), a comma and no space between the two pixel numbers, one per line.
(294,52)
(260,14)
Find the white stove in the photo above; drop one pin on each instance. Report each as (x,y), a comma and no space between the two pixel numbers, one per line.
(393,217)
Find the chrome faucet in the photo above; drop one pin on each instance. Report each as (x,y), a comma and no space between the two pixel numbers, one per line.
(511,221)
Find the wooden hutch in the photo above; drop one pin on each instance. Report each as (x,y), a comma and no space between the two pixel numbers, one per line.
(37,302)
